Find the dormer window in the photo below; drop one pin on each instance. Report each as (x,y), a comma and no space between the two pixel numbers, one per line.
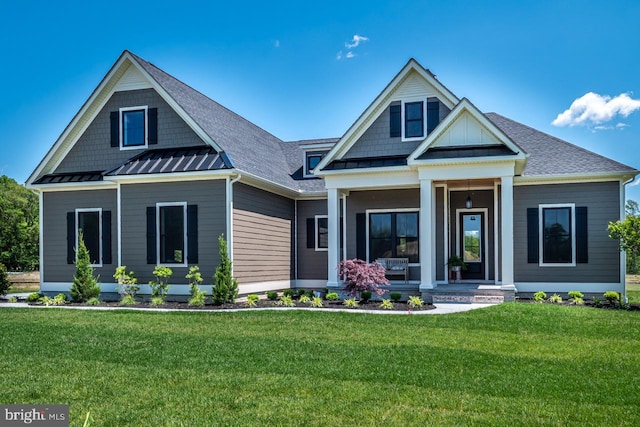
(410,120)
(311,160)
(133,127)
(413,120)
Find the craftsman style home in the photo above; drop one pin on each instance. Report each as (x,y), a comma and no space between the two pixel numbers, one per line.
(153,171)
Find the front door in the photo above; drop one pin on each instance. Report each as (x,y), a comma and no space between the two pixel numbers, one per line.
(472,244)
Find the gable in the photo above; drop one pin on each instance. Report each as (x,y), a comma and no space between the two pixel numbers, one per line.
(466,131)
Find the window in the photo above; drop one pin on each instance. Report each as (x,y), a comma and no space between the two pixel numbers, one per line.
(133,127)
(414,119)
(322,233)
(311,160)
(89,223)
(557,231)
(172,233)
(394,235)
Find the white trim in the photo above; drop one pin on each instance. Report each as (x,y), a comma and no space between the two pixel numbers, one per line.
(333,255)
(571,178)
(310,283)
(121,112)
(370,211)
(95,185)
(76,228)
(485,232)
(506,233)
(325,146)
(344,226)
(185,253)
(41,232)
(468,170)
(413,100)
(541,208)
(496,235)
(316,230)
(372,180)
(171,177)
(445,230)
(248,288)
(306,173)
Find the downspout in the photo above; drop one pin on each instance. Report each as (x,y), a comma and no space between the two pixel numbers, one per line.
(41,237)
(623,254)
(295,240)
(230,183)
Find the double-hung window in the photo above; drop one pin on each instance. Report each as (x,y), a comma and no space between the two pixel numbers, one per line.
(413,119)
(172,233)
(394,235)
(133,127)
(558,236)
(89,224)
(322,232)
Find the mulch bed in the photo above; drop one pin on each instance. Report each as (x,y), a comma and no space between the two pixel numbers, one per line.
(588,303)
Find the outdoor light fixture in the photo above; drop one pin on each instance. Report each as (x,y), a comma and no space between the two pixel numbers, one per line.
(468,203)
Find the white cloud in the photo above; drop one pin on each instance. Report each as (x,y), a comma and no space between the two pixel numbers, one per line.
(276,43)
(350,55)
(594,109)
(355,42)
(339,55)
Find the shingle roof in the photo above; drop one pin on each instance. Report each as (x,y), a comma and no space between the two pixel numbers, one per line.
(549,155)
(168,160)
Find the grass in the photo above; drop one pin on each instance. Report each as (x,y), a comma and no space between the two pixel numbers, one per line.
(633,289)
(513,364)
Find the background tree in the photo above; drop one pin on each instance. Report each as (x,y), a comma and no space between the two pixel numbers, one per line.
(627,232)
(5,284)
(85,284)
(18,226)
(226,286)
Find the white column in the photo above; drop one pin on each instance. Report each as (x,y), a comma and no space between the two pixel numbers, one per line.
(333,218)
(427,237)
(507,232)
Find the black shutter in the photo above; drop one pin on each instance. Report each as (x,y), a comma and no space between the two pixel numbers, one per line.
(395,121)
(311,233)
(106,237)
(115,129)
(433,115)
(361,236)
(151,235)
(582,241)
(71,237)
(533,239)
(152,125)
(192,234)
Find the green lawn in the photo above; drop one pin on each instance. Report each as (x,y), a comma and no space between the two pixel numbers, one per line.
(513,364)
(633,293)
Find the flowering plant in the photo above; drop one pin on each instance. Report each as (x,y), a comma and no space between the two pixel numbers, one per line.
(360,276)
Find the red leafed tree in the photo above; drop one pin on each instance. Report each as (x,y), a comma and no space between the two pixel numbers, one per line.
(360,276)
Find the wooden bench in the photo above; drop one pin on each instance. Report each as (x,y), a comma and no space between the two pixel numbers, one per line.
(395,267)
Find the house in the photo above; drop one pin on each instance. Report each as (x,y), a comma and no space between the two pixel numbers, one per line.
(153,172)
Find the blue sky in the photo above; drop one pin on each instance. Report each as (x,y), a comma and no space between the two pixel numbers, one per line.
(299,71)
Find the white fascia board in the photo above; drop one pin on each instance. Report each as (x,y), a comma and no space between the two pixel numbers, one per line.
(571,178)
(370,114)
(172,177)
(376,179)
(467,171)
(267,185)
(317,147)
(97,185)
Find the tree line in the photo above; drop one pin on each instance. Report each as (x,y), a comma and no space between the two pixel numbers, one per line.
(19,232)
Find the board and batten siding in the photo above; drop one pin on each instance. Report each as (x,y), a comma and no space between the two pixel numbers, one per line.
(312,264)
(54,231)
(93,151)
(262,235)
(602,200)
(209,196)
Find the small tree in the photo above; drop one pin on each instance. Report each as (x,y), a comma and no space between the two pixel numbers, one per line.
(360,276)
(225,288)
(127,282)
(627,232)
(160,287)
(197,296)
(5,284)
(85,284)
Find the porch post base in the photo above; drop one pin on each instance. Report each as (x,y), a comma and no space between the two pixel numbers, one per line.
(507,287)
(426,286)
(333,284)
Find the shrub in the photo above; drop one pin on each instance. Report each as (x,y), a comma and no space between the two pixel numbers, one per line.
(128,300)
(157,301)
(597,301)
(613,297)
(395,296)
(576,297)
(332,296)
(300,292)
(288,293)
(386,304)
(85,285)
(13,299)
(286,301)
(272,295)
(304,298)
(197,296)
(365,296)
(127,282)
(555,299)
(93,301)
(316,302)
(59,299)
(252,300)
(360,276)
(415,302)
(5,284)
(160,286)
(34,297)
(539,296)
(350,303)
(226,286)
(309,293)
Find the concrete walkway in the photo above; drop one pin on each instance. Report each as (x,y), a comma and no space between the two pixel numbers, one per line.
(440,309)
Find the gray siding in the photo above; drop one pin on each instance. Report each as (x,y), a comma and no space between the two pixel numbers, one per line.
(312,264)
(603,205)
(360,201)
(376,142)
(262,235)
(93,151)
(54,229)
(480,199)
(210,197)
(439,234)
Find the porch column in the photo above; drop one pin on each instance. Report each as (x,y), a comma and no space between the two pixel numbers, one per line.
(333,217)
(506,230)
(427,235)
